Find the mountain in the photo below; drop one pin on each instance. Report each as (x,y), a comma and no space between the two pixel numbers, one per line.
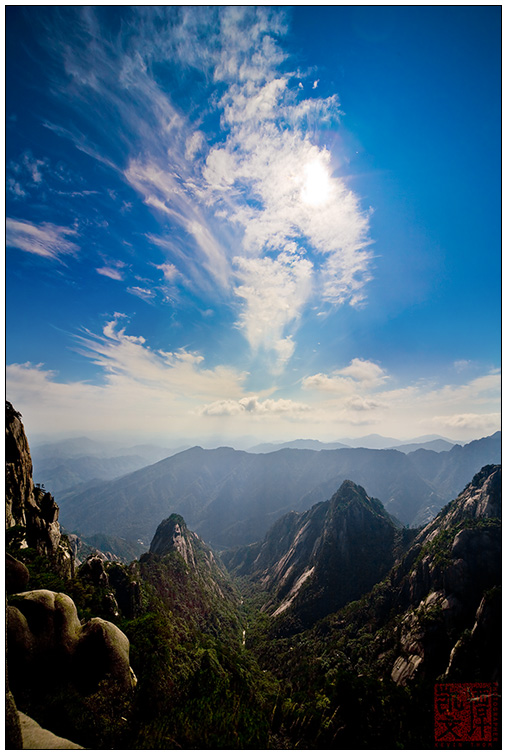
(69,662)
(342,628)
(77,447)
(449,572)
(314,445)
(438,444)
(198,687)
(312,564)
(69,463)
(450,472)
(432,443)
(232,497)
(69,473)
(61,670)
(364,677)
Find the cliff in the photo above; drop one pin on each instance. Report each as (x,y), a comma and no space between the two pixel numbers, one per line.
(312,564)
(31,512)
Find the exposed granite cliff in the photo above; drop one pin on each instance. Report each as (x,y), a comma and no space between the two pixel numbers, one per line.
(313,563)
(448,584)
(31,512)
(60,670)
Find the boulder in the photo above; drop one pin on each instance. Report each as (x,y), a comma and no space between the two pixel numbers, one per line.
(16,575)
(34,737)
(48,646)
(103,651)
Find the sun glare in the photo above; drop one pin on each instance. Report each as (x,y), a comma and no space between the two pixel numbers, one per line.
(317,184)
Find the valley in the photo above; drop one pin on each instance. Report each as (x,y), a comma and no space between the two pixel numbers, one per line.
(319,622)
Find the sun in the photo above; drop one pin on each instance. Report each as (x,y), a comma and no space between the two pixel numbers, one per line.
(316,184)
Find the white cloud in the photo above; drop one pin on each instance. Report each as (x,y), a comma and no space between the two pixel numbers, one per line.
(362,404)
(141,390)
(110,272)
(364,371)
(169,270)
(120,354)
(143,293)
(359,390)
(14,188)
(194,144)
(462,364)
(275,292)
(360,373)
(172,392)
(246,197)
(45,240)
(253,406)
(471,422)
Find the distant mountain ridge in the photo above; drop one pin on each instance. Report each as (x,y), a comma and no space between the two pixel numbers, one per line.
(435,443)
(232,497)
(67,464)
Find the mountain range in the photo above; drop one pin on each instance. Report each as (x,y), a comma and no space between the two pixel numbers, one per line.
(232,497)
(429,442)
(73,462)
(65,465)
(329,632)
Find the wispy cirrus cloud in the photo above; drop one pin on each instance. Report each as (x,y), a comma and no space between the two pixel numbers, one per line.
(142,293)
(169,271)
(45,239)
(238,198)
(110,272)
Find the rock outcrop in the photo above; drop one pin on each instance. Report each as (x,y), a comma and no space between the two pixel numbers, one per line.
(31,512)
(446,589)
(47,644)
(34,737)
(185,573)
(173,535)
(60,670)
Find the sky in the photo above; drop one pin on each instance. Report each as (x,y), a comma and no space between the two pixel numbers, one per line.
(252,222)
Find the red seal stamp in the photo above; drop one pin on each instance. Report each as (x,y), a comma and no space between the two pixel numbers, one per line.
(466,714)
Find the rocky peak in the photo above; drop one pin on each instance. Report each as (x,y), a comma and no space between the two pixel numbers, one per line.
(313,563)
(18,469)
(31,512)
(481,499)
(173,535)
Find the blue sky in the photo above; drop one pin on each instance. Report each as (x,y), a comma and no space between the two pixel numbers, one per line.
(232,221)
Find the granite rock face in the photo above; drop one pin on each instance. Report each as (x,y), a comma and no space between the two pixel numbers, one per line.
(34,737)
(448,587)
(312,564)
(31,512)
(16,575)
(173,535)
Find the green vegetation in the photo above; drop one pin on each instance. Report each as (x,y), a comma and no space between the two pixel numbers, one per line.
(439,548)
(216,672)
